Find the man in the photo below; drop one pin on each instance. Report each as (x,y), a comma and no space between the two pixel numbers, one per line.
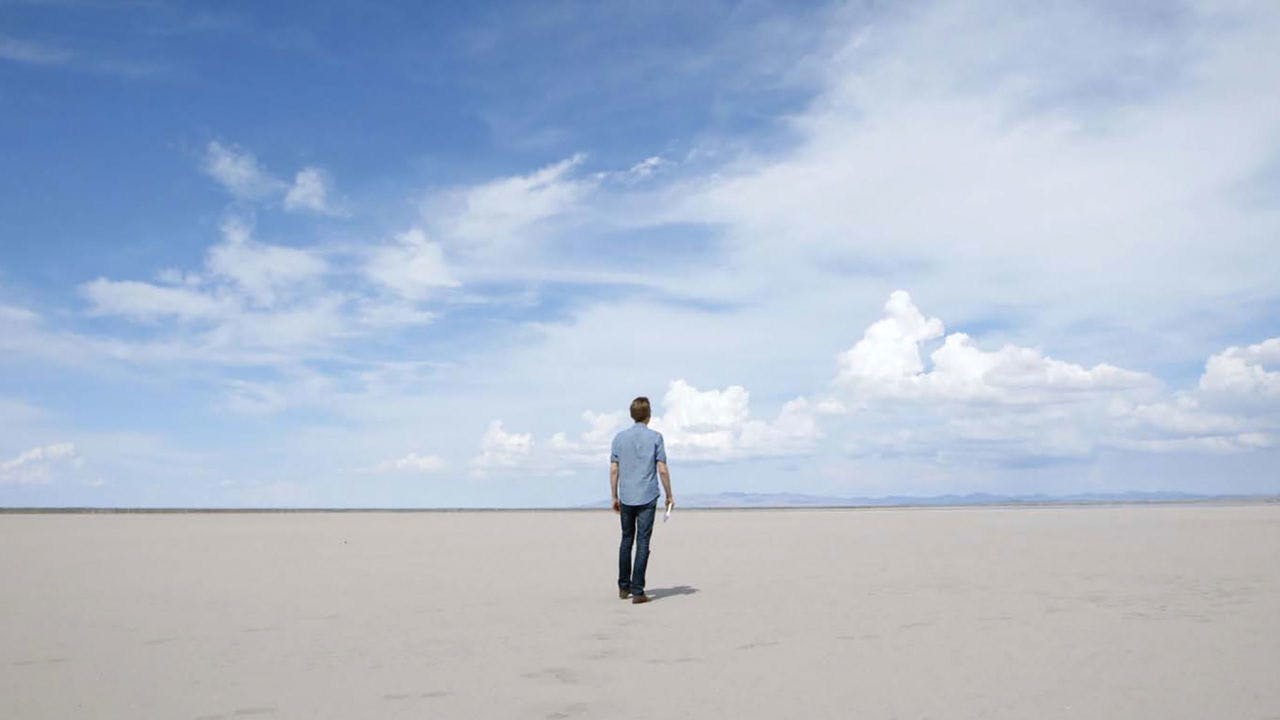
(637,459)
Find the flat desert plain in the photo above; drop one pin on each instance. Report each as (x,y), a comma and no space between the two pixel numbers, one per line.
(1164,611)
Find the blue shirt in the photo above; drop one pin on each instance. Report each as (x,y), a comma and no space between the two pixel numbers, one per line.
(638,450)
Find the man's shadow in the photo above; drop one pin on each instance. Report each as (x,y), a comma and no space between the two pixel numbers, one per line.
(659,593)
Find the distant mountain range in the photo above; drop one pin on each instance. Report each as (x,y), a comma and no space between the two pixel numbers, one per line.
(733,500)
(798,500)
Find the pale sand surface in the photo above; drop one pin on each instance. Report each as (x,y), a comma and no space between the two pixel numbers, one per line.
(1063,612)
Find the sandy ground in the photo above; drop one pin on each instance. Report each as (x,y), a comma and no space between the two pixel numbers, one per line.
(1068,612)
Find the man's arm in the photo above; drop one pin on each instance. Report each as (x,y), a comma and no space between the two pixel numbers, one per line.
(665,475)
(613,486)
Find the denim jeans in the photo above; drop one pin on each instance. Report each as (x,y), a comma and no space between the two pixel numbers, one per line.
(637,526)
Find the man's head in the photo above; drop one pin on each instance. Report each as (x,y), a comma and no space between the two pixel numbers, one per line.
(640,409)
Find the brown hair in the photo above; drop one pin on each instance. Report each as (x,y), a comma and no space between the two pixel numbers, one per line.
(640,409)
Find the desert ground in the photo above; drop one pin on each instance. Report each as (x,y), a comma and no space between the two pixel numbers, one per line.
(1161,611)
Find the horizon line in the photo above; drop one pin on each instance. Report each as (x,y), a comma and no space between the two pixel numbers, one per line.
(997,501)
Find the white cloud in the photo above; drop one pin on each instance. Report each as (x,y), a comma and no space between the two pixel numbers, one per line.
(989,160)
(886,363)
(501,449)
(795,431)
(687,410)
(240,173)
(1014,402)
(310,191)
(972,404)
(144,301)
(1234,407)
(262,272)
(890,348)
(499,214)
(593,444)
(716,425)
(314,325)
(1044,186)
(413,267)
(413,462)
(643,170)
(238,170)
(39,464)
(963,146)
(1241,374)
(253,297)
(1185,423)
(699,425)
(646,167)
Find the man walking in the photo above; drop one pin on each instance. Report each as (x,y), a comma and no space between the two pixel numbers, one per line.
(637,460)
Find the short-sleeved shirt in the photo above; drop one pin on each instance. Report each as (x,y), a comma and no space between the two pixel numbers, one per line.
(638,450)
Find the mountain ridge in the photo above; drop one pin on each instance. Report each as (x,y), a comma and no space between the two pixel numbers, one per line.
(736,499)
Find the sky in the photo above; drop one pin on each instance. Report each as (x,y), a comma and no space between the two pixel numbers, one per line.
(425,254)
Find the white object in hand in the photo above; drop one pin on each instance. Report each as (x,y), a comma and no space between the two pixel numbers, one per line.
(667,515)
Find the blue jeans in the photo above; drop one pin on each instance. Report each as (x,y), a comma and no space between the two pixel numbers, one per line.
(637,526)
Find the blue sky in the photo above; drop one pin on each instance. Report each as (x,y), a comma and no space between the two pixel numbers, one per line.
(405,255)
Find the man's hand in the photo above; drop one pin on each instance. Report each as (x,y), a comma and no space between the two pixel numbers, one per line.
(665,476)
(613,485)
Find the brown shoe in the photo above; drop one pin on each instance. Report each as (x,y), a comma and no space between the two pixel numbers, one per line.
(624,594)
(639,599)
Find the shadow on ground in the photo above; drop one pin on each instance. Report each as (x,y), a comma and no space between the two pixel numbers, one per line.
(659,593)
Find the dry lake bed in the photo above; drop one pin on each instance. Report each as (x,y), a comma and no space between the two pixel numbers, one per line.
(1141,611)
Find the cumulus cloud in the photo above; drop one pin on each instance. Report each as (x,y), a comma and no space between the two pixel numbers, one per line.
(245,178)
(1048,169)
(969,403)
(239,172)
(500,449)
(716,425)
(39,464)
(413,266)
(890,349)
(700,425)
(592,445)
(1235,406)
(1241,374)
(1015,402)
(795,430)
(310,191)
(887,363)
(1186,423)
